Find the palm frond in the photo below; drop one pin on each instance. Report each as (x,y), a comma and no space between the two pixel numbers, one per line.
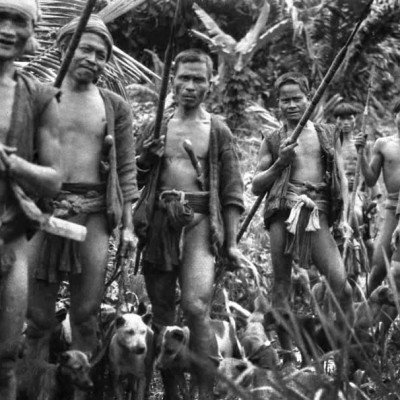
(117,8)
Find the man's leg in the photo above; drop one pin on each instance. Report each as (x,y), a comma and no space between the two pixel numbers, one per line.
(161,287)
(87,288)
(327,259)
(282,267)
(197,279)
(381,246)
(41,305)
(13,303)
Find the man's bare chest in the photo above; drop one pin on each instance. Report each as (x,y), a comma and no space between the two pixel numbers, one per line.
(391,154)
(6,107)
(197,132)
(86,118)
(308,145)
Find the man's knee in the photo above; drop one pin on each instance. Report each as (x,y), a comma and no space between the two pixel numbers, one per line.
(39,322)
(84,318)
(8,360)
(195,308)
(280,292)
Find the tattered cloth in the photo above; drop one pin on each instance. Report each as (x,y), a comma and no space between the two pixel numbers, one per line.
(173,211)
(391,201)
(60,255)
(305,200)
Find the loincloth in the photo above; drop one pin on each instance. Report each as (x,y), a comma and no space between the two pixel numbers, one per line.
(165,239)
(391,201)
(58,255)
(305,201)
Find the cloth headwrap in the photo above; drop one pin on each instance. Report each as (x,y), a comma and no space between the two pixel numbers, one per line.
(30,8)
(94,25)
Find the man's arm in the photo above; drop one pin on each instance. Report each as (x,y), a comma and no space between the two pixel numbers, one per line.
(370,170)
(268,171)
(43,179)
(343,181)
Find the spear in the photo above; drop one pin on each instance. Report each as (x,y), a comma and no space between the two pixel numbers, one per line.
(357,174)
(167,70)
(311,107)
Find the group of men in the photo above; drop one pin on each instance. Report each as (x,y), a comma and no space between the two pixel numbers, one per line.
(73,151)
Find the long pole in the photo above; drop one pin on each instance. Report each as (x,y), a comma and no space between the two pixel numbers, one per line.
(166,72)
(357,175)
(314,101)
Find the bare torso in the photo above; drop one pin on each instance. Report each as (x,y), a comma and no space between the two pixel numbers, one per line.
(177,171)
(6,106)
(83,124)
(349,153)
(307,165)
(389,148)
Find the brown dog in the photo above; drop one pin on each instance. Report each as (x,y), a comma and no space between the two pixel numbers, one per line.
(131,354)
(40,380)
(176,356)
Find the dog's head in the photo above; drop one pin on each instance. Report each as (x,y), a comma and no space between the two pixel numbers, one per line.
(132,331)
(238,371)
(174,340)
(75,367)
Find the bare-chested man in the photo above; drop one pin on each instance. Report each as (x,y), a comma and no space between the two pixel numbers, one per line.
(385,159)
(305,181)
(189,218)
(345,115)
(99,187)
(29,156)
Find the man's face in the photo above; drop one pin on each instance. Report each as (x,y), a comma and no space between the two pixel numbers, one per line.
(292,102)
(346,123)
(90,58)
(15,30)
(191,84)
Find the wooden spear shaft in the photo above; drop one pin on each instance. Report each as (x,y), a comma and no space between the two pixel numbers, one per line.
(76,37)
(166,73)
(314,101)
(357,175)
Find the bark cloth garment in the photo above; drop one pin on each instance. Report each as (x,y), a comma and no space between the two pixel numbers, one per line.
(224,186)
(118,168)
(31,99)
(306,199)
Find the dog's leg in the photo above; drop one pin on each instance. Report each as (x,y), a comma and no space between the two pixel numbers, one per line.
(118,387)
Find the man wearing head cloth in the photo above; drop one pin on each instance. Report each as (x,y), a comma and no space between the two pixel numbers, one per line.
(99,187)
(29,157)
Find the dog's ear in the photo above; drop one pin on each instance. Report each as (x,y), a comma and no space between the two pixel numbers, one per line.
(147,319)
(142,309)
(216,360)
(120,321)
(64,358)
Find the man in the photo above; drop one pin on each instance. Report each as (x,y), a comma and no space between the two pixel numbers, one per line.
(186,229)
(384,158)
(29,158)
(99,187)
(305,180)
(356,260)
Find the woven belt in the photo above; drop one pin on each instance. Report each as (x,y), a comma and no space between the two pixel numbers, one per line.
(198,201)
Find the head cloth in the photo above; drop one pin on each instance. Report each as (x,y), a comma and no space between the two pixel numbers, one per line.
(94,25)
(30,8)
